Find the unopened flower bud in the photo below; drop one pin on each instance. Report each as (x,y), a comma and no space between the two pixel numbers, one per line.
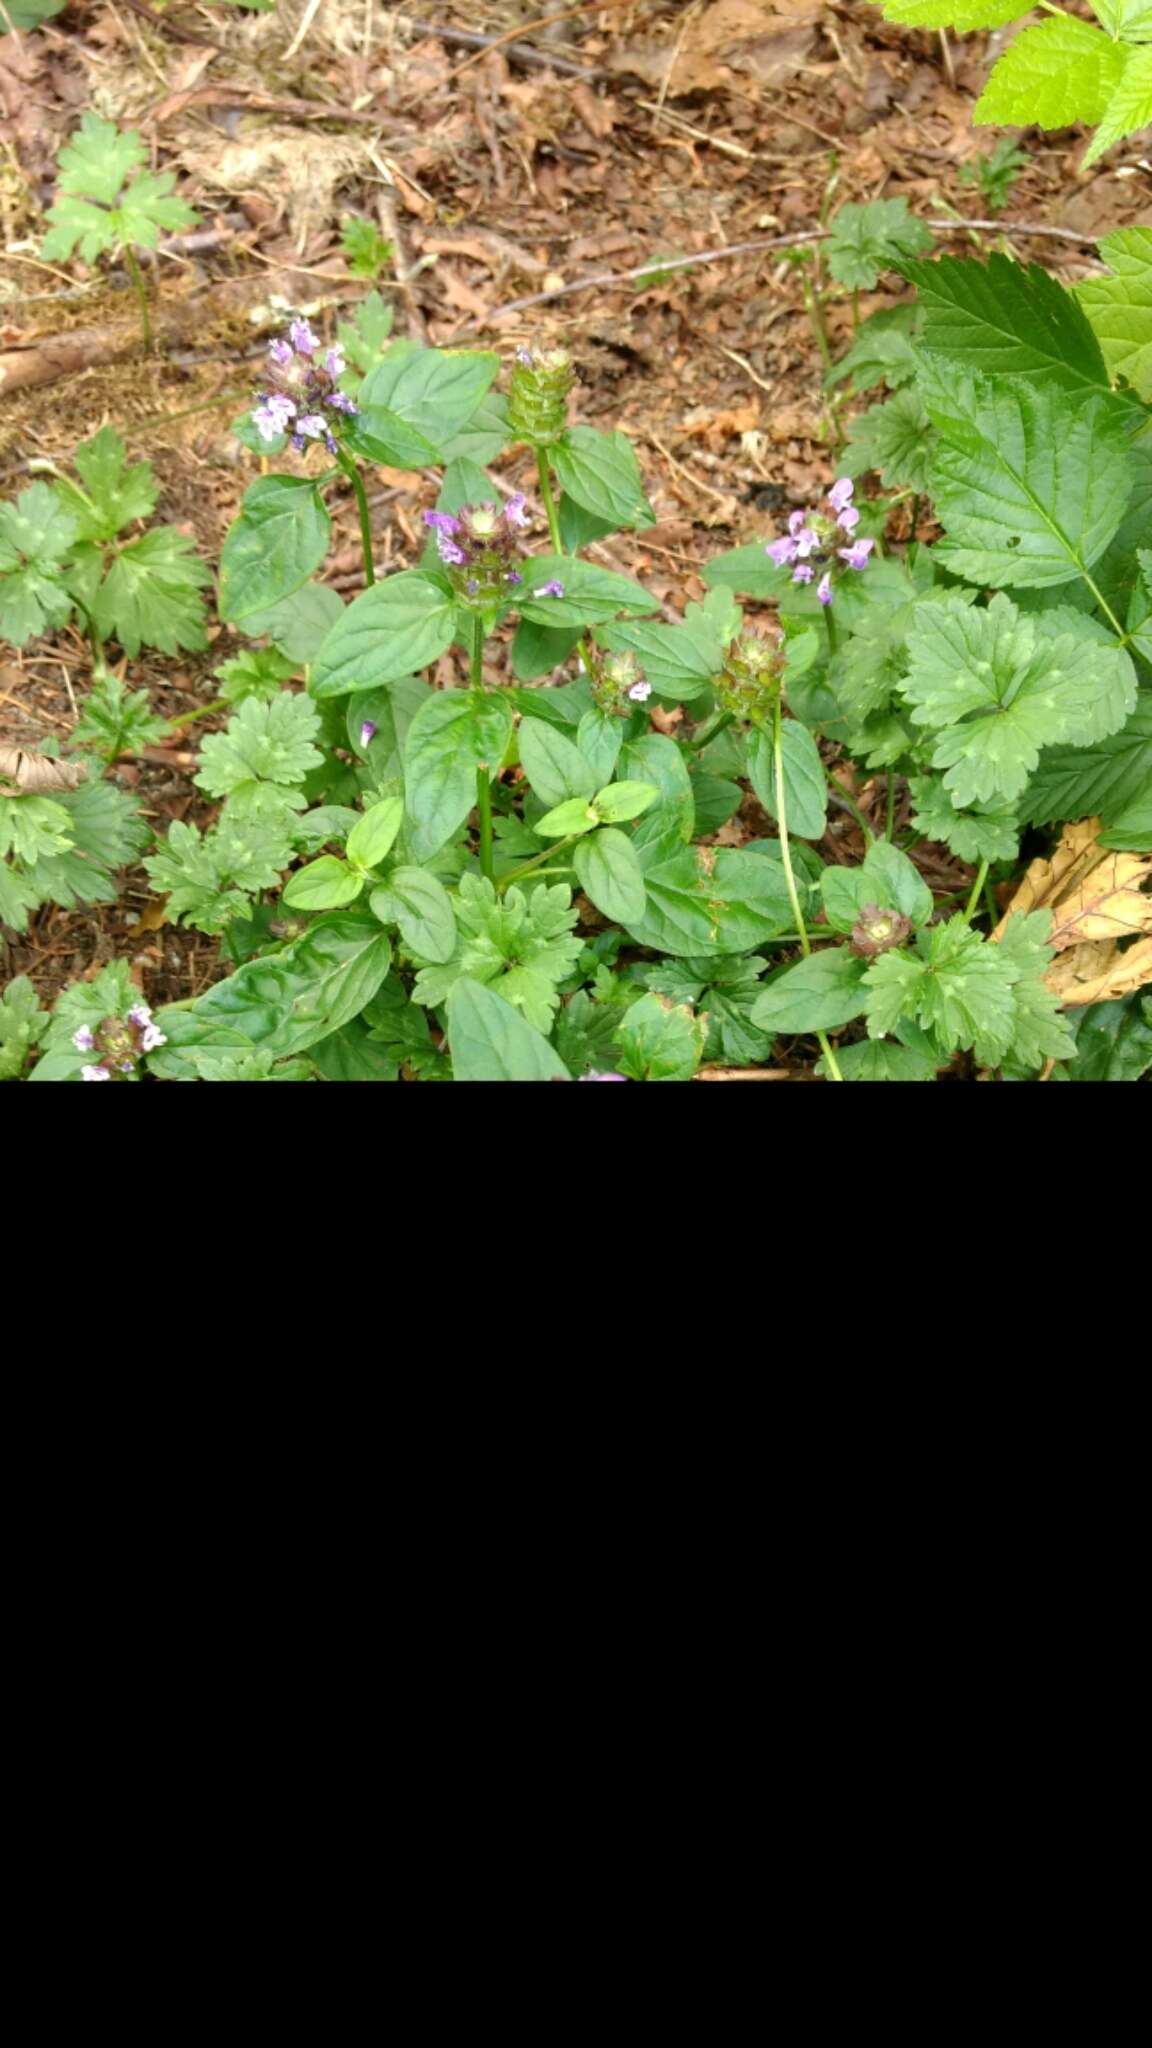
(878,931)
(538,395)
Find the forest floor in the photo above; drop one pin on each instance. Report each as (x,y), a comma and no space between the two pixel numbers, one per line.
(622,133)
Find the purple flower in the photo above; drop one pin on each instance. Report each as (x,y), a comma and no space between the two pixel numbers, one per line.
(274,416)
(128,1067)
(796,521)
(302,338)
(335,362)
(449,552)
(340,402)
(514,511)
(824,589)
(281,353)
(803,573)
(472,585)
(313,426)
(524,357)
(640,692)
(849,519)
(83,1039)
(841,494)
(805,541)
(553,588)
(857,555)
(152,1038)
(603,1077)
(95,1074)
(442,522)
(781,551)
(367,731)
(513,576)
(140,1014)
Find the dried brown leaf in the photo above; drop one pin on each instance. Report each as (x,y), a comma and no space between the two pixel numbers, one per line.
(1098,900)
(36,775)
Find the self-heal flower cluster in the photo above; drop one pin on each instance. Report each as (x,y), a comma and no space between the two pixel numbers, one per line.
(305,401)
(618,681)
(749,682)
(538,394)
(119,1044)
(809,546)
(480,547)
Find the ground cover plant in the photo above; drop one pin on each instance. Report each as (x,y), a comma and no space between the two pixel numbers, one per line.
(483,804)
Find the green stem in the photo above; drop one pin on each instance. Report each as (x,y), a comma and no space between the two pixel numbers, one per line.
(816,319)
(353,474)
(977,886)
(1104,605)
(890,818)
(789,876)
(530,866)
(483,776)
(709,732)
(201,711)
(915,516)
(991,906)
(141,290)
(853,809)
(549,502)
(855,307)
(833,636)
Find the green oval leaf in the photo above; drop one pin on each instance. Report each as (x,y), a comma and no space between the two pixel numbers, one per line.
(325,884)
(371,838)
(387,633)
(281,536)
(609,872)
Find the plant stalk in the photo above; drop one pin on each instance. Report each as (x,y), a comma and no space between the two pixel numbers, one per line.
(789,876)
(977,887)
(351,471)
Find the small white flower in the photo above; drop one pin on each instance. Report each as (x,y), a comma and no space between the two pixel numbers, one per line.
(83,1039)
(95,1074)
(152,1038)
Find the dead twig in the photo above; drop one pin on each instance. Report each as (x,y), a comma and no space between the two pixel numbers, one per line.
(517,53)
(658,266)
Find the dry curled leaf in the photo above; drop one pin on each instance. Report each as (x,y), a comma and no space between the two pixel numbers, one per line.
(1099,901)
(36,775)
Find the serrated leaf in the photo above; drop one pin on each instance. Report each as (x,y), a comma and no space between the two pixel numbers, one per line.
(365,336)
(263,742)
(895,439)
(114,492)
(150,596)
(99,158)
(1129,109)
(660,1041)
(1006,319)
(882,351)
(452,734)
(955,984)
(282,534)
(996,686)
(885,877)
(521,944)
(209,880)
(385,634)
(490,1042)
(984,832)
(1120,307)
(21,1021)
(601,473)
(1031,483)
(1098,781)
(1130,20)
(1063,71)
(864,240)
(36,533)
